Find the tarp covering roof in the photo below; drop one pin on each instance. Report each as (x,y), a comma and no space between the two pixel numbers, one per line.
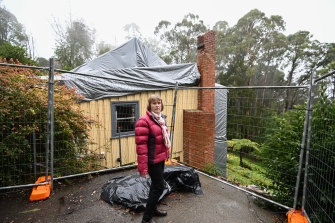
(128,69)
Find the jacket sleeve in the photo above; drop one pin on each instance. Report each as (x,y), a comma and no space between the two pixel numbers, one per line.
(141,140)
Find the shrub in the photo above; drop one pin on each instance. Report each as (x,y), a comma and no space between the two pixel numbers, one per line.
(23,111)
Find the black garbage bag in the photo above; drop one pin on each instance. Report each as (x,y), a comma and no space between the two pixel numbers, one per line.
(133,191)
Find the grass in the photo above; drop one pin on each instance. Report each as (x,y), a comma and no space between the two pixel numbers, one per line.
(246,176)
(253,175)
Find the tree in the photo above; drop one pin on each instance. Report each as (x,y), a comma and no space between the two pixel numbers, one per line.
(42,61)
(133,30)
(157,47)
(8,52)
(13,33)
(11,30)
(298,48)
(181,39)
(103,47)
(250,54)
(242,146)
(221,28)
(255,39)
(74,44)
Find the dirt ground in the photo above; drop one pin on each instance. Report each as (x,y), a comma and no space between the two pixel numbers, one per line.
(78,200)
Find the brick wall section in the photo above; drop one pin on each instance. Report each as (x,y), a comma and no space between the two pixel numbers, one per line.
(199,125)
(199,133)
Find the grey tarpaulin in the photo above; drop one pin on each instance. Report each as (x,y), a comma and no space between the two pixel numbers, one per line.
(220,109)
(133,191)
(128,69)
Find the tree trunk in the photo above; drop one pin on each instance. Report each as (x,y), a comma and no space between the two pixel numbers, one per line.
(289,82)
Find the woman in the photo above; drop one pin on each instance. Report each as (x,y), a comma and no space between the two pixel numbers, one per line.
(152,147)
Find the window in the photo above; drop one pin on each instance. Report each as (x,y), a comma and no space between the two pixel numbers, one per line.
(124,117)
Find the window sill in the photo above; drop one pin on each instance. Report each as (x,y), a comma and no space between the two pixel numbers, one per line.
(123,135)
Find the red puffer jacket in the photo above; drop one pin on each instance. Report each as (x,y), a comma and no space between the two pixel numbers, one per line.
(150,147)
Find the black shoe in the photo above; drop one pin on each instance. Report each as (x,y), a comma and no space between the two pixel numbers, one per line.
(150,221)
(160,213)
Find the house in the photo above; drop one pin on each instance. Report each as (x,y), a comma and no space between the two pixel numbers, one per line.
(117,84)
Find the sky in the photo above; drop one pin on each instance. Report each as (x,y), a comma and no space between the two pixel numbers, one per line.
(108,17)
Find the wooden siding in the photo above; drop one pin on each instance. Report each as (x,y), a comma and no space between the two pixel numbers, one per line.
(99,113)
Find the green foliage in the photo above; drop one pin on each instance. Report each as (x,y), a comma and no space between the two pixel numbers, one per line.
(321,167)
(74,44)
(254,174)
(17,53)
(103,47)
(213,169)
(280,152)
(254,41)
(23,111)
(244,146)
(11,31)
(181,39)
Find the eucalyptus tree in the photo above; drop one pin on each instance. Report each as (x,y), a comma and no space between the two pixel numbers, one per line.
(299,45)
(132,30)
(103,47)
(181,39)
(252,51)
(13,36)
(74,44)
(222,49)
(11,30)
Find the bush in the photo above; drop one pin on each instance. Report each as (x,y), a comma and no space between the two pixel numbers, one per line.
(23,111)
(281,151)
(244,146)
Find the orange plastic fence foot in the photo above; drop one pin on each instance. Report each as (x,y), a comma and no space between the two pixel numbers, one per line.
(42,191)
(294,216)
(170,162)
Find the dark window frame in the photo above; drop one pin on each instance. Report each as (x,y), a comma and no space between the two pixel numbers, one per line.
(115,133)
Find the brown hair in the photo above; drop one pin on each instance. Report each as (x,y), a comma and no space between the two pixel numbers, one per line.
(154,97)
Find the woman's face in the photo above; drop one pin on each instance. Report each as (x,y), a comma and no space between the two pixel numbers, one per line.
(156,106)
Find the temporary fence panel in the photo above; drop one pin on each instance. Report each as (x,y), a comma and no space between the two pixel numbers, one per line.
(23,124)
(319,203)
(264,129)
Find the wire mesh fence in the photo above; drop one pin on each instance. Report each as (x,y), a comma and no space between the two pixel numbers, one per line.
(23,111)
(263,133)
(320,188)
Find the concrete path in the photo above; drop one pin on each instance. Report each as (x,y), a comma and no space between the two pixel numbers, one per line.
(79,201)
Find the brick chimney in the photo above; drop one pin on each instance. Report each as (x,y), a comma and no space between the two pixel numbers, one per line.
(206,61)
(199,125)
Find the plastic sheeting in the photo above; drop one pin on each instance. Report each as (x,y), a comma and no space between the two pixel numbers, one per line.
(220,109)
(128,69)
(133,191)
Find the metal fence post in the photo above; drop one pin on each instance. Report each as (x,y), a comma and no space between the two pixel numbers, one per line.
(120,149)
(308,139)
(173,116)
(34,150)
(302,148)
(50,124)
(52,69)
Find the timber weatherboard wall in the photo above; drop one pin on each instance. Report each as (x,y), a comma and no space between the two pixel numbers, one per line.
(100,134)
